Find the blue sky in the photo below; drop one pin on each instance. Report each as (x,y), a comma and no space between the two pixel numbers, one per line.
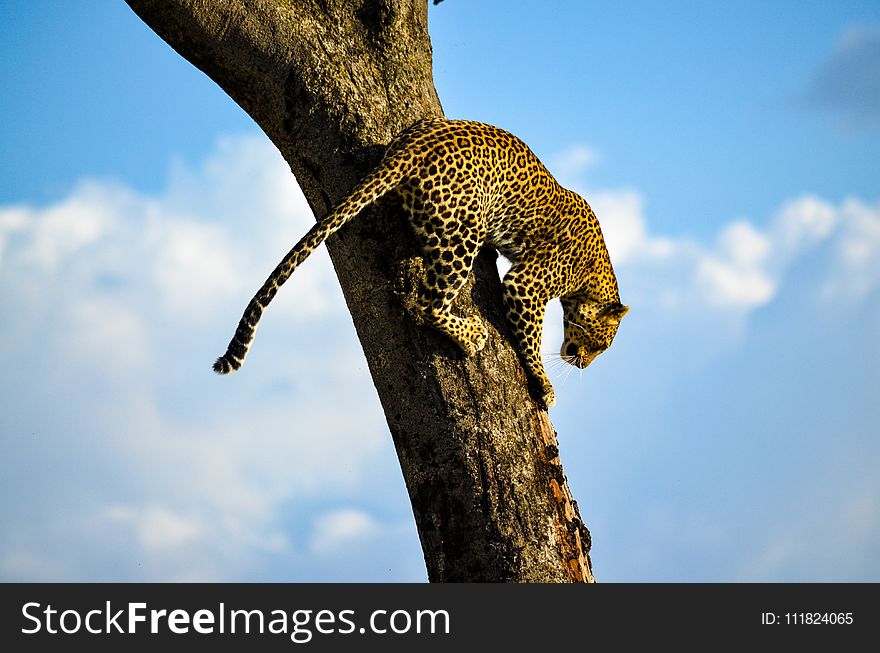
(732,155)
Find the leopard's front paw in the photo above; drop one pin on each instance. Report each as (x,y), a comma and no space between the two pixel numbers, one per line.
(474,337)
(480,334)
(471,335)
(548,397)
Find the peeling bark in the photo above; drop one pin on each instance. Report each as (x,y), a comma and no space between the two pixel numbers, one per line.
(331,82)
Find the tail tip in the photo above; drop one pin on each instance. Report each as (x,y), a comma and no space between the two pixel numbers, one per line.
(225,365)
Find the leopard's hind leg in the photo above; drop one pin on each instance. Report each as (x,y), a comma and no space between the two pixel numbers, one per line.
(451,241)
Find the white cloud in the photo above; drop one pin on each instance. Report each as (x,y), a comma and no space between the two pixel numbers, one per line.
(623,223)
(117,304)
(336,530)
(745,265)
(735,274)
(573,162)
(159,530)
(857,272)
(195,266)
(12,219)
(733,286)
(802,222)
(62,230)
(743,244)
(99,330)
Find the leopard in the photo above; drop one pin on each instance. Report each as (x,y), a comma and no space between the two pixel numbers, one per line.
(465,185)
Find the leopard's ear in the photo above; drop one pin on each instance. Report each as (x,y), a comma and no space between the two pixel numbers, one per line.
(613,312)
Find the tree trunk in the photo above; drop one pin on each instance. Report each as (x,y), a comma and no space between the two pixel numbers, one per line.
(331,82)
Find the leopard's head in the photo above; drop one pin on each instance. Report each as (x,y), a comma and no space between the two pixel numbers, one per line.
(589,329)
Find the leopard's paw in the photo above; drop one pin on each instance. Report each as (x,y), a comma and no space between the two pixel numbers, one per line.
(475,336)
(548,397)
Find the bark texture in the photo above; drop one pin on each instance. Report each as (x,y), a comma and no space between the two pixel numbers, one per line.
(331,82)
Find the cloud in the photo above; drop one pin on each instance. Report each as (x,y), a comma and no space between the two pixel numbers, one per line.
(334,531)
(117,303)
(158,529)
(743,267)
(848,83)
(803,222)
(570,165)
(12,219)
(857,273)
(63,230)
(623,223)
(100,330)
(194,265)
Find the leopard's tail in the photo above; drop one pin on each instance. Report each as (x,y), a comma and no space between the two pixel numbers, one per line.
(376,184)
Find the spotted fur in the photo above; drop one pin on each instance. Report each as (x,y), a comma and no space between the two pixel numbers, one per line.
(465,184)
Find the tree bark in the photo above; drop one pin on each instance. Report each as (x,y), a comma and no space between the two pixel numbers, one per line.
(331,82)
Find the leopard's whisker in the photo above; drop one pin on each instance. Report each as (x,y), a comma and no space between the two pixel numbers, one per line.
(567,373)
